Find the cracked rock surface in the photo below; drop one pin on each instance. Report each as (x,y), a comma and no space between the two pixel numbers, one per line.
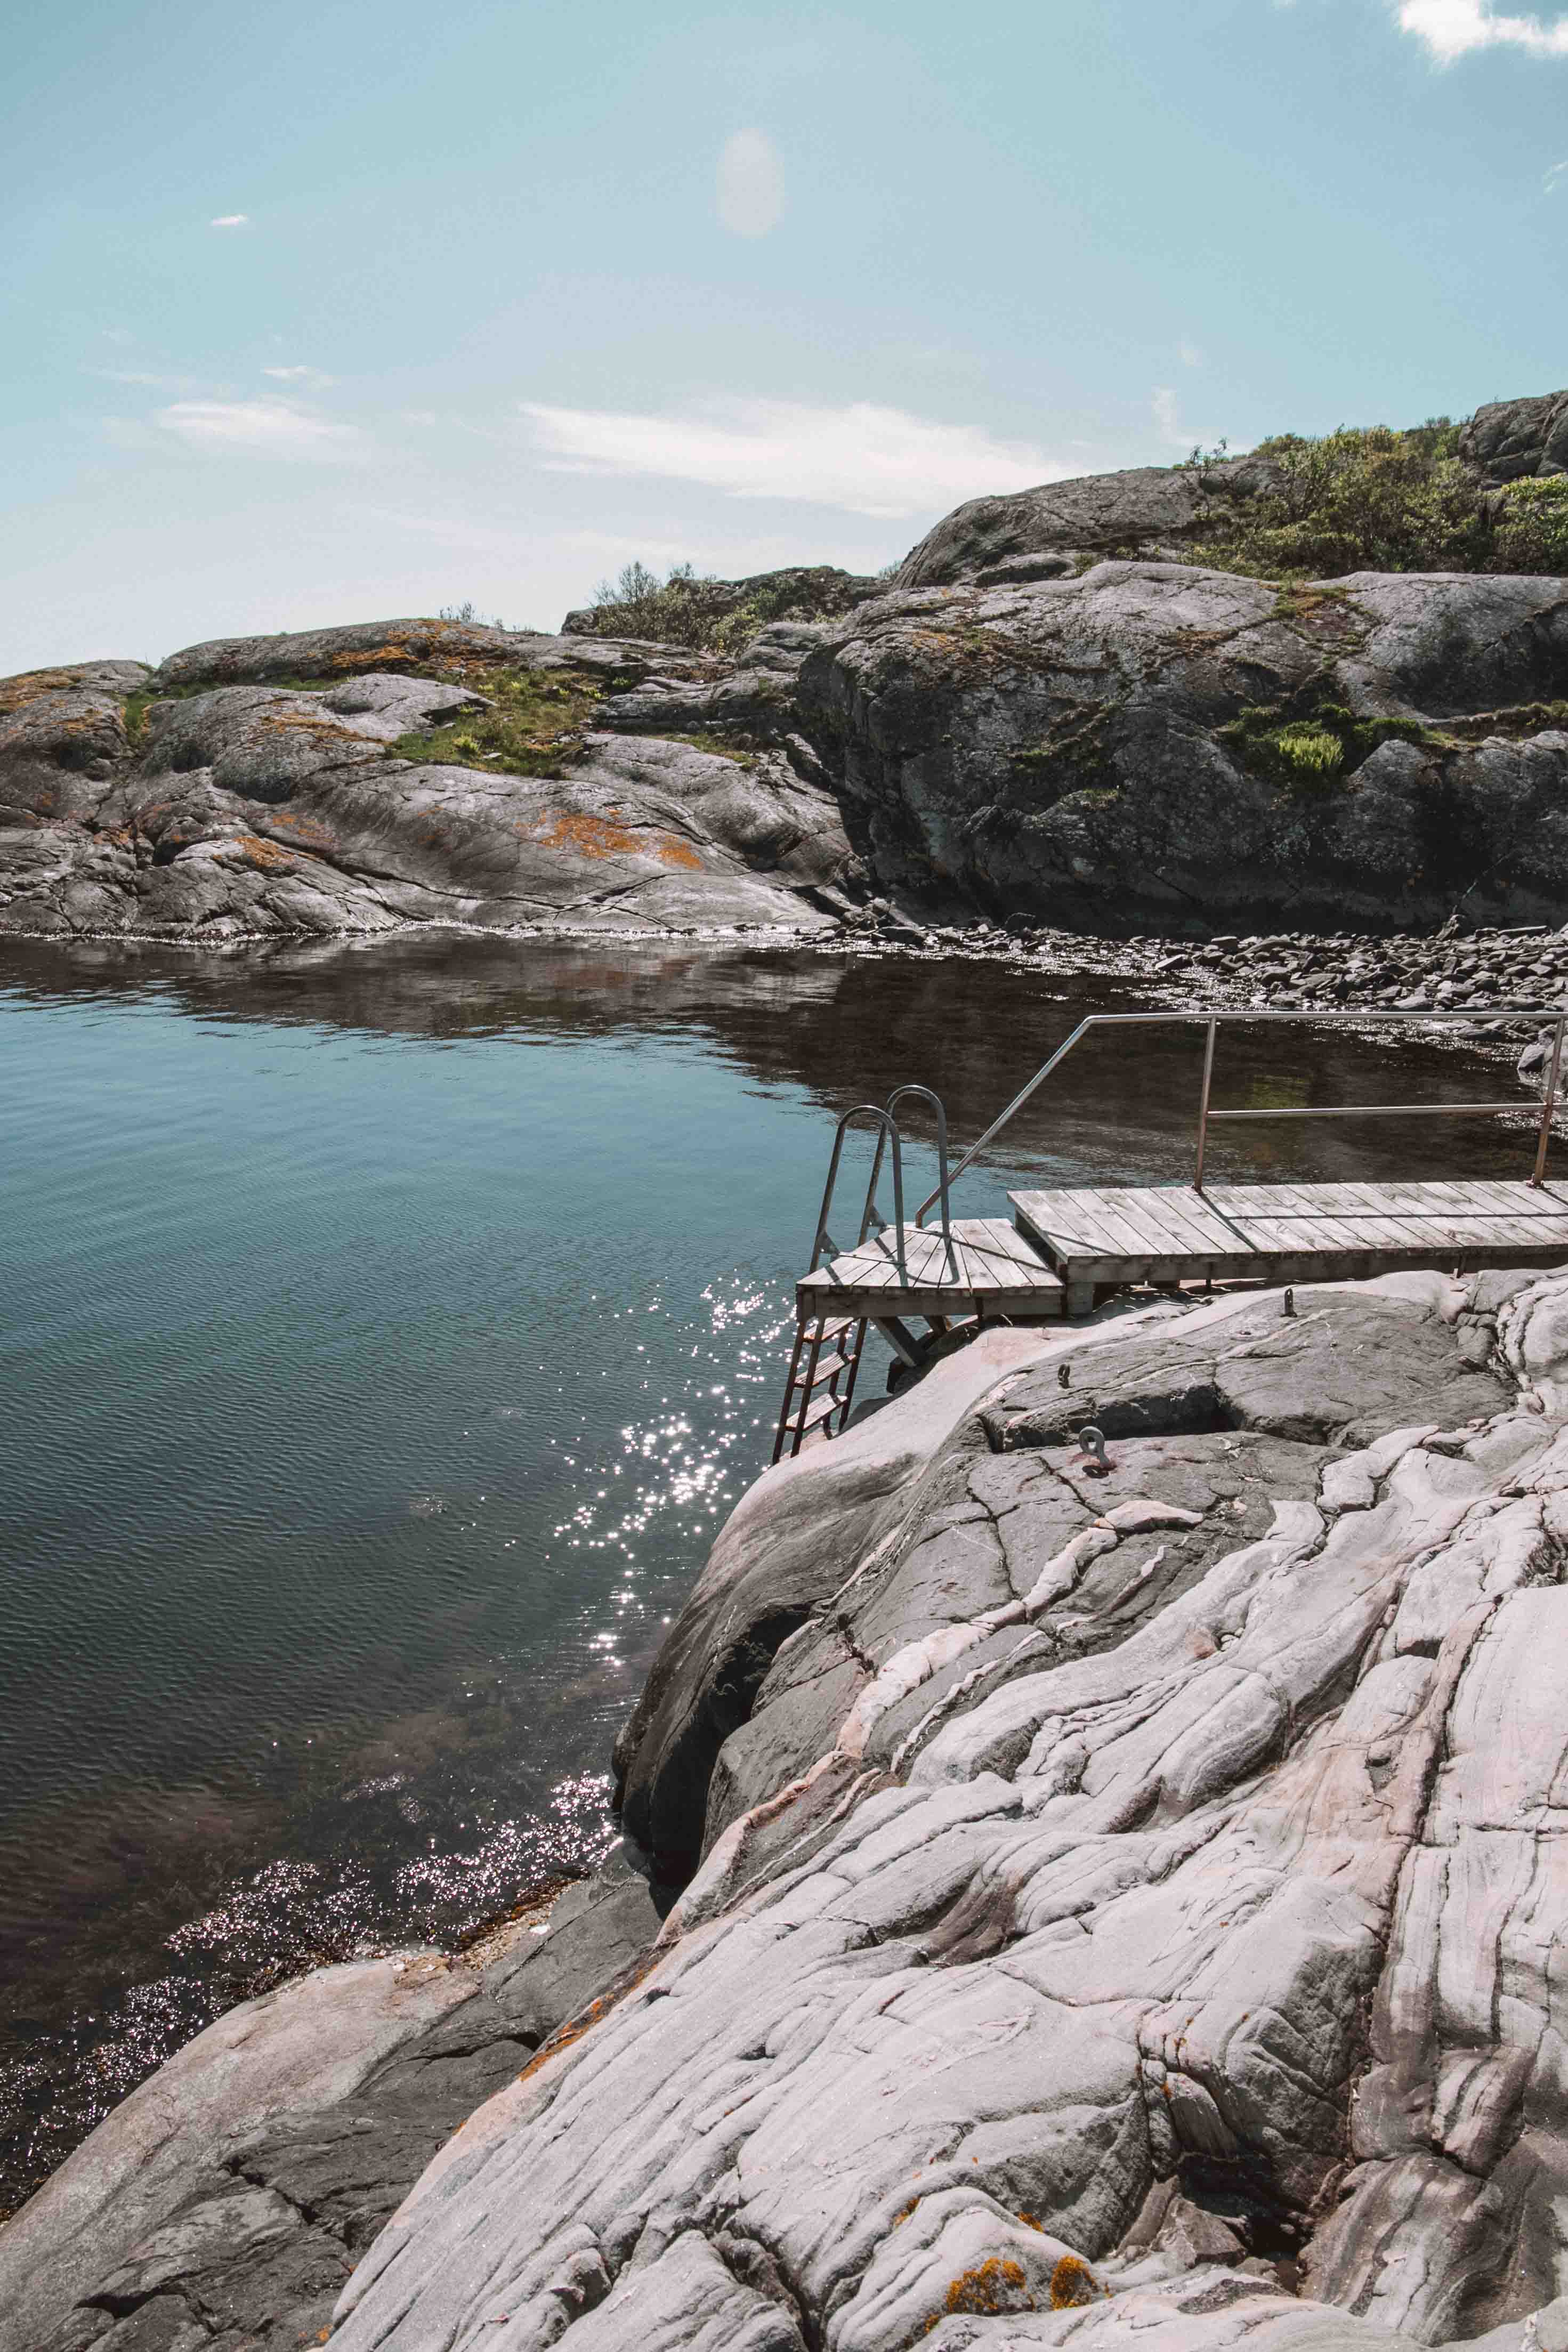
(254,787)
(1122,1909)
(1141,1918)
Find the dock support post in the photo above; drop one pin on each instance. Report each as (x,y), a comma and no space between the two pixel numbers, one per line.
(1203,1107)
(1547,1106)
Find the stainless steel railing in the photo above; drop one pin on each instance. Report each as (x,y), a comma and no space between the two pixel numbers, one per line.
(871,1217)
(1215,1021)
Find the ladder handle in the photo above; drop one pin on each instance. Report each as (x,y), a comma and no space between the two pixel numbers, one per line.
(941,1193)
(888,1131)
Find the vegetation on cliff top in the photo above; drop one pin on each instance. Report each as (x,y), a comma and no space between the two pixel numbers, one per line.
(690,608)
(1369,498)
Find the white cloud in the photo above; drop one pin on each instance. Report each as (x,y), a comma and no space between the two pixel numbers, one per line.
(1190,355)
(265,428)
(1555,174)
(298,375)
(751,184)
(1452,29)
(231,220)
(865,459)
(1167,419)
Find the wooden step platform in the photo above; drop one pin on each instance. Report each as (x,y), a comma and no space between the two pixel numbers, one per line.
(1288,1233)
(1000,1272)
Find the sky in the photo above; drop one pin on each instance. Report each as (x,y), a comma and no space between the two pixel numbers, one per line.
(315,311)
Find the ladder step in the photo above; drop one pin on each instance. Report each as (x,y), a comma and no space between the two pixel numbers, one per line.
(827,1369)
(822,1410)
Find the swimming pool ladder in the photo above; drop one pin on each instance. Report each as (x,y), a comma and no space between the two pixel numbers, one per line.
(820,1388)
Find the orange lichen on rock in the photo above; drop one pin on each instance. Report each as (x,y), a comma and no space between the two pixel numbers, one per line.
(265,856)
(387,656)
(1073,2282)
(600,836)
(31,684)
(307,722)
(312,835)
(995,2286)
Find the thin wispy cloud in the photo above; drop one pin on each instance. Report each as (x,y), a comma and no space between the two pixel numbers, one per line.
(1189,355)
(262,428)
(1555,174)
(750,193)
(864,459)
(1168,423)
(230,220)
(1452,29)
(298,375)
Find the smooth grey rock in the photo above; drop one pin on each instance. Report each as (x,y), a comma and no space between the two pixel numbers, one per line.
(1143,510)
(1259,1883)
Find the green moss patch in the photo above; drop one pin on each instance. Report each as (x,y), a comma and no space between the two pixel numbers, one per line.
(1313,752)
(534,728)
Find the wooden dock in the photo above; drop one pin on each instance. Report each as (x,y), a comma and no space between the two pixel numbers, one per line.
(1066,1246)
(1065,1249)
(1000,1271)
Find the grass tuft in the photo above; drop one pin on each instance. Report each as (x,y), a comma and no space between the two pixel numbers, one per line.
(534,727)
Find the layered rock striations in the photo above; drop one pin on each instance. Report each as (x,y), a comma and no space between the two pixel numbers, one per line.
(1128,1904)
(1120,1908)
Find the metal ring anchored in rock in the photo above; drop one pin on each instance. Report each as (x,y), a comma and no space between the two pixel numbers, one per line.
(1092,1458)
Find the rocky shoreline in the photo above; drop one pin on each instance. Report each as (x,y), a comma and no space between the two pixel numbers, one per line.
(1105,1908)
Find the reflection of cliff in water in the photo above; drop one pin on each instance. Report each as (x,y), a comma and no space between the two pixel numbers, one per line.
(844,1028)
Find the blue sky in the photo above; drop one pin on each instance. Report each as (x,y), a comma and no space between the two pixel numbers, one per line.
(320,312)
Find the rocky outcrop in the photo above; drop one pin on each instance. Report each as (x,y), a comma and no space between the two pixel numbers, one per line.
(1151,742)
(1508,439)
(405,772)
(1129,1904)
(1045,534)
(224,2205)
(1127,1907)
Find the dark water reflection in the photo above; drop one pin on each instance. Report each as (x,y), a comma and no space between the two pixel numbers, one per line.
(384,1330)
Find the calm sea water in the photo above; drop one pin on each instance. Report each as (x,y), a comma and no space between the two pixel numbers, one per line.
(385,1331)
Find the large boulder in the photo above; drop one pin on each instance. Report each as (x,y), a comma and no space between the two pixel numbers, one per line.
(1142,1923)
(1045,533)
(1508,439)
(1150,739)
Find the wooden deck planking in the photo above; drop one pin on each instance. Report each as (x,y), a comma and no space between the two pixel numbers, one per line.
(1288,1231)
(996,1267)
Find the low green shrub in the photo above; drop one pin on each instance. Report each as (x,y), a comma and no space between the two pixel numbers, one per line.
(1530,525)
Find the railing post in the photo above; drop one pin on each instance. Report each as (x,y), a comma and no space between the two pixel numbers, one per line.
(1549,1105)
(1203,1107)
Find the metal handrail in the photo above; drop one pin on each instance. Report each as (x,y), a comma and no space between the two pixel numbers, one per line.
(943,1183)
(888,1127)
(1557,1013)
